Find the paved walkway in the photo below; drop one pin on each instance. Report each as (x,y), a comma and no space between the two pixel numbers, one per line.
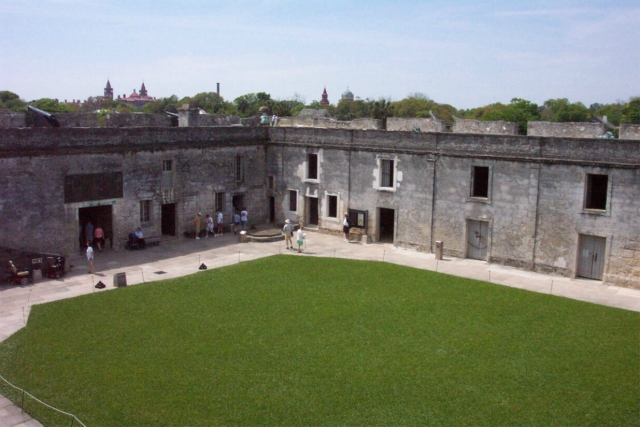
(182,257)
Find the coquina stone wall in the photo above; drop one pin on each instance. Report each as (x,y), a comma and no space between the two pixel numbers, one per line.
(628,131)
(566,130)
(423,124)
(535,210)
(12,120)
(328,123)
(482,127)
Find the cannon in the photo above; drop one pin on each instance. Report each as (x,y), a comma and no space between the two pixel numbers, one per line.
(50,118)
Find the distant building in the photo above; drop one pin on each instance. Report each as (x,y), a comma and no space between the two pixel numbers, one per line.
(348,95)
(325,97)
(136,99)
(108,91)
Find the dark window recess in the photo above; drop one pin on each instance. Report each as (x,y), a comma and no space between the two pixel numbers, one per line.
(480,182)
(387,173)
(96,186)
(597,192)
(293,200)
(312,160)
(333,206)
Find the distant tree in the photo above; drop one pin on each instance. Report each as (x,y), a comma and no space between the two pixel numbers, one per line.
(631,111)
(248,105)
(613,112)
(97,103)
(519,111)
(210,102)
(52,105)
(561,110)
(125,108)
(10,101)
(161,105)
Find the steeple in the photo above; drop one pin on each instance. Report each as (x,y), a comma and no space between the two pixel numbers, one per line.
(108,91)
(143,90)
(325,98)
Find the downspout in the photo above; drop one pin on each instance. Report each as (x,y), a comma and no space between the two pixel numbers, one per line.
(433,196)
(535,218)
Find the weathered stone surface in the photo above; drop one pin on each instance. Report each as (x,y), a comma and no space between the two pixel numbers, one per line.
(566,130)
(534,208)
(629,131)
(497,127)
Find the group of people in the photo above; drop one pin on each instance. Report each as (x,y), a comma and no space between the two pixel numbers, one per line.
(216,226)
(287,230)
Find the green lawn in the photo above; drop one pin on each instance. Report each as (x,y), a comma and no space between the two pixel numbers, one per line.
(302,341)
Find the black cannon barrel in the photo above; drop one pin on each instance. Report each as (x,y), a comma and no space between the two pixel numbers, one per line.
(50,118)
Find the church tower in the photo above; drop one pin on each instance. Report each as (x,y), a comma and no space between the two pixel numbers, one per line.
(325,98)
(143,90)
(108,91)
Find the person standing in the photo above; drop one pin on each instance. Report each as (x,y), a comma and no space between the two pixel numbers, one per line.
(196,222)
(244,217)
(90,257)
(236,222)
(98,234)
(288,233)
(220,224)
(300,239)
(346,226)
(209,220)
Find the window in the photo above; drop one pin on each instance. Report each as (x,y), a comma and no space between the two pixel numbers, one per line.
(596,197)
(167,174)
(145,211)
(239,168)
(480,182)
(312,166)
(386,176)
(293,200)
(332,206)
(219,202)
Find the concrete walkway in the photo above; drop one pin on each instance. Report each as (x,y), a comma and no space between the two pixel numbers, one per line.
(179,258)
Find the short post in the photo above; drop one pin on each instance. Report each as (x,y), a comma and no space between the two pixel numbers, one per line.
(439,249)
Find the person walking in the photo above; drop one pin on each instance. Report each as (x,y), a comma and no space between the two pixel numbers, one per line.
(300,239)
(90,257)
(236,222)
(346,226)
(209,221)
(244,217)
(219,223)
(196,222)
(98,235)
(287,230)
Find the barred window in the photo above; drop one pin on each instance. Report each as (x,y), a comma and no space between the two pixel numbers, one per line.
(145,211)
(386,176)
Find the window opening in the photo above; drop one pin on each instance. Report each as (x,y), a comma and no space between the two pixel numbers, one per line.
(387,173)
(312,166)
(293,200)
(332,202)
(597,192)
(480,182)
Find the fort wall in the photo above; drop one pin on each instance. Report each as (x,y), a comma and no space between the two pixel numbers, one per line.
(483,127)
(534,211)
(423,124)
(628,131)
(566,130)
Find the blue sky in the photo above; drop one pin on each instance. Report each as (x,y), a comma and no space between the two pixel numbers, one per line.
(464,53)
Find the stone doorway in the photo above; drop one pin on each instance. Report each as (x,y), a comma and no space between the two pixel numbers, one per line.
(99,216)
(386,225)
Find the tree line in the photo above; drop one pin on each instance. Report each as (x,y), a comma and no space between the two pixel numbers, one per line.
(415,105)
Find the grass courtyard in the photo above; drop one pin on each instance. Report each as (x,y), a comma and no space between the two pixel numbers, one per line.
(295,341)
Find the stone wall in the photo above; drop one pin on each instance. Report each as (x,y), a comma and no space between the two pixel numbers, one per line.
(535,207)
(482,127)
(629,131)
(12,120)
(35,163)
(137,120)
(566,130)
(423,124)
(328,123)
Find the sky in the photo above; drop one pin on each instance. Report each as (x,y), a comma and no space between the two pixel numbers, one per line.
(463,53)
